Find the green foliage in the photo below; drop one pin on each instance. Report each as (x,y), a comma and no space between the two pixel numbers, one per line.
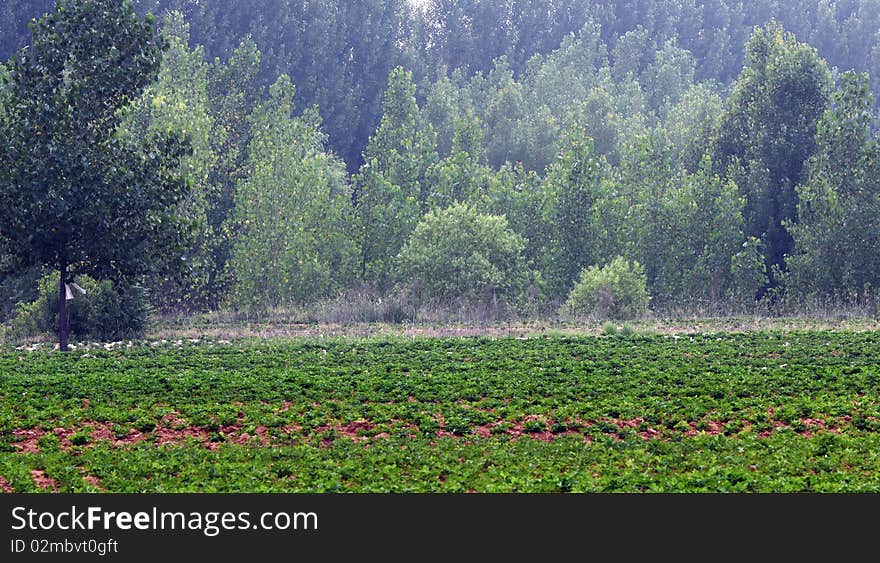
(463,256)
(106,312)
(233,95)
(391,187)
(4,89)
(748,273)
(586,126)
(177,104)
(644,413)
(16,286)
(669,76)
(836,257)
(461,177)
(209,105)
(73,193)
(292,244)
(694,245)
(627,329)
(572,188)
(691,124)
(767,132)
(617,291)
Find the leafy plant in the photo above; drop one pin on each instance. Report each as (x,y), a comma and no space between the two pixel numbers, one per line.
(105,312)
(461,255)
(616,291)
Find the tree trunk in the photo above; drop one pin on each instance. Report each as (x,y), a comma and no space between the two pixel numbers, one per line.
(62,309)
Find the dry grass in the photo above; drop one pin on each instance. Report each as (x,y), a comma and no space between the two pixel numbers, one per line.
(363,316)
(288,326)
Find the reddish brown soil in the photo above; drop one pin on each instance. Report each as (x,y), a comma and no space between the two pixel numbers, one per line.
(174,419)
(27,440)
(43,481)
(356,429)
(165,436)
(777,425)
(91,479)
(173,430)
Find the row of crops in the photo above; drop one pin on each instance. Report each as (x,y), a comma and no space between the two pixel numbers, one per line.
(758,411)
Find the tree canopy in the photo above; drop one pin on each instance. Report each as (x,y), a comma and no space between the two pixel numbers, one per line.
(74,196)
(265,155)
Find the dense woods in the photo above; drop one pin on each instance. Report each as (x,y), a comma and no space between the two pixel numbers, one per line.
(385,160)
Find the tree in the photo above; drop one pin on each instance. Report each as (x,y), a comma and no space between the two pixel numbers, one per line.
(177,103)
(516,194)
(461,177)
(233,96)
(208,104)
(500,97)
(573,187)
(445,103)
(14,19)
(74,196)
(4,89)
(700,238)
(767,132)
(668,77)
(691,123)
(837,236)
(391,187)
(292,246)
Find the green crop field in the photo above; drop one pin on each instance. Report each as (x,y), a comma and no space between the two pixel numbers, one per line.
(740,412)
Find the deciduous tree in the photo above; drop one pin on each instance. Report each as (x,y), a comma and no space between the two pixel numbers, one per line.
(74,196)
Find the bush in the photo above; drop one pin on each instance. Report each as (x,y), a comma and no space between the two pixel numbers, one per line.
(458,255)
(363,305)
(105,312)
(616,291)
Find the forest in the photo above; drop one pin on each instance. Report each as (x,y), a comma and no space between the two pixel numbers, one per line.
(482,160)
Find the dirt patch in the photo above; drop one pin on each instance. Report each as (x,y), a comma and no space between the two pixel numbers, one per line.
(174,419)
(260,435)
(91,479)
(483,431)
(173,436)
(104,431)
(710,427)
(537,427)
(355,429)
(26,440)
(777,425)
(43,481)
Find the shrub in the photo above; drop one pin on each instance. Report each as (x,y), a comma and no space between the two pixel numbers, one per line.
(105,312)
(615,291)
(363,305)
(458,255)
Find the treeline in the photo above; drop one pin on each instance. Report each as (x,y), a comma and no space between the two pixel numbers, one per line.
(340,53)
(591,162)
